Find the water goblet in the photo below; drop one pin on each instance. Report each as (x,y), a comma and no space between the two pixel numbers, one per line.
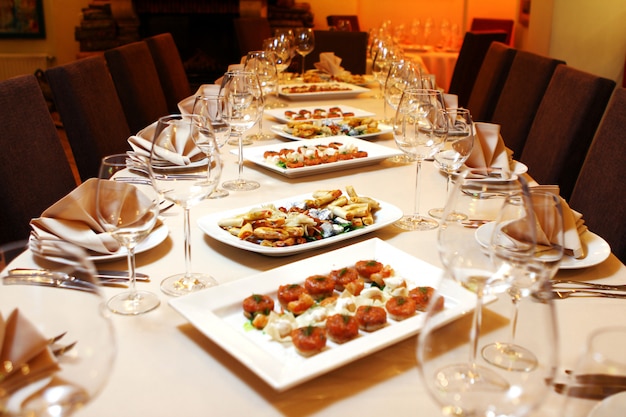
(244,106)
(262,64)
(419,129)
(455,151)
(280,49)
(304,42)
(185,185)
(128,212)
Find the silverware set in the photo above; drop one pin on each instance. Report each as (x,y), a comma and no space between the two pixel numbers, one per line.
(44,277)
(562,289)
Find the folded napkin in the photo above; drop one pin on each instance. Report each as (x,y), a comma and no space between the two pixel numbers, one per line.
(489,150)
(451,101)
(186,105)
(182,150)
(25,354)
(573,226)
(330,64)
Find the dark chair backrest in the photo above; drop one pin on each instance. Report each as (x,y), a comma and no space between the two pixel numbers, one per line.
(91,112)
(351,47)
(521,94)
(34,168)
(137,83)
(170,68)
(250,33)
(600,191)
(564,126)
(486,24)
(490,80)
(335,21)
(471,55)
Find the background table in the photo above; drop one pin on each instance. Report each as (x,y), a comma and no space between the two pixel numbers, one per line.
(439,63)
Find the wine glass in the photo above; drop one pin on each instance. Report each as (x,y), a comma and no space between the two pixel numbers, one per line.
(68,330)
(381,65)
(419,129)
(127,212)
(305,43)
(541,268)
(280,50)
(185,185)
(211,108)
(262,64)
(244,106)
(455,151)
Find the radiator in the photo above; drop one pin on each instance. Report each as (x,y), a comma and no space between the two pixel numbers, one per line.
(19,64)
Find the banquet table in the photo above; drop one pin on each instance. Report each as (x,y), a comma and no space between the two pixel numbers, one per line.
(438,62)
(166,367)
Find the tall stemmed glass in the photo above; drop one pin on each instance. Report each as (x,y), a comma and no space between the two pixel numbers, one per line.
(541,268)
(455,151)
(280,49)
(127,212)
(262,64)
(419,129)
(185,185)
(244,106)
(211,108)
(381,64)
(305,43)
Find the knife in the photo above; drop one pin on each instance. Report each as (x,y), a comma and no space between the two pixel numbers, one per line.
(104,275)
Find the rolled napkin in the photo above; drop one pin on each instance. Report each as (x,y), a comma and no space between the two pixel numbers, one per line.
(489,150)
(330,64)
(182,152)
(25,354)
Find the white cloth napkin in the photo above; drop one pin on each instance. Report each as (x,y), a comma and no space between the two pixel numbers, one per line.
(330,64)
(489,150)
(182,152)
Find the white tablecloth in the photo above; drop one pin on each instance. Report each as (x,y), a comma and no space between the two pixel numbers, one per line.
(165,367)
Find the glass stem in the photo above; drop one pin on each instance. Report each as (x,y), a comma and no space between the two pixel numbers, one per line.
(476,323)
(187,234)
(416,206)
(515,301)
(240,156)
(130,258)
(303,56)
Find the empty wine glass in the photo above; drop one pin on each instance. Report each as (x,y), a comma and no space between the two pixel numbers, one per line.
(280,50)
(185,185)
(305,43)
(262,64)
(419,129)
(244,106)
(381,65)
(128,212)
(455,151)
(211,108)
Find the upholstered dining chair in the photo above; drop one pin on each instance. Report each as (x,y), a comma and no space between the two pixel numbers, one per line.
(91,112)
(170,68)
(137,84)
(471,55)
(487,24)
(600,191)
(335,20)
(565,123)
(34,168)
(351,47)
(250,32)
(521,94)
(490,81)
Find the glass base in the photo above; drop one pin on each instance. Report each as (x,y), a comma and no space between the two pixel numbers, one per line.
(510,357)
(401,159)
(182,284)
(241,185)
(467,378)
(260,136)
(133,303)
(437,213)
(416,223)
(235,141)
(219,193)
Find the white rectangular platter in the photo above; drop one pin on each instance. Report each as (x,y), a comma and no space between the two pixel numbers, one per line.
(217,313)
(280,113)
(375,154)
(280,131)
(386,215)
(347,90)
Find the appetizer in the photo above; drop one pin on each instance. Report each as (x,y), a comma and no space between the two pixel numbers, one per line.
(313,88)
(313,155)
(319,113)
(350,126)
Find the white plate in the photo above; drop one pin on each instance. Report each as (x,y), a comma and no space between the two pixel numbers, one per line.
(154,239)
(208,224)
(351,90)
(280,131)
(611,406)
(218,314)
(597,249)
(375,154)
(518,169)
(279,114)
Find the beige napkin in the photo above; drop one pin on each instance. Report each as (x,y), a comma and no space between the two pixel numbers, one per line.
(489,150)
(182,152)
(330,64)
(25,353)
(573,226)
(186,105)
(451,101)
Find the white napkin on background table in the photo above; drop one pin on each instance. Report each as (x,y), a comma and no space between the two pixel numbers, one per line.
(330,64)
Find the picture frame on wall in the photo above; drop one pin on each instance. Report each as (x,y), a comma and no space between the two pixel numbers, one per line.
(524,12)
(22,19)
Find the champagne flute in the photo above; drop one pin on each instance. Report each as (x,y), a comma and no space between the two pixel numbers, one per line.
(185,185)
(262,64)
(305,43)
(211,108)
(244,106)
(127,212)
(455,151)
(419,129)
(541,268)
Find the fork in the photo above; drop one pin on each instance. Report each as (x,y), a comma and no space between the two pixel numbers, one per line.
(590,285)
(563,294)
